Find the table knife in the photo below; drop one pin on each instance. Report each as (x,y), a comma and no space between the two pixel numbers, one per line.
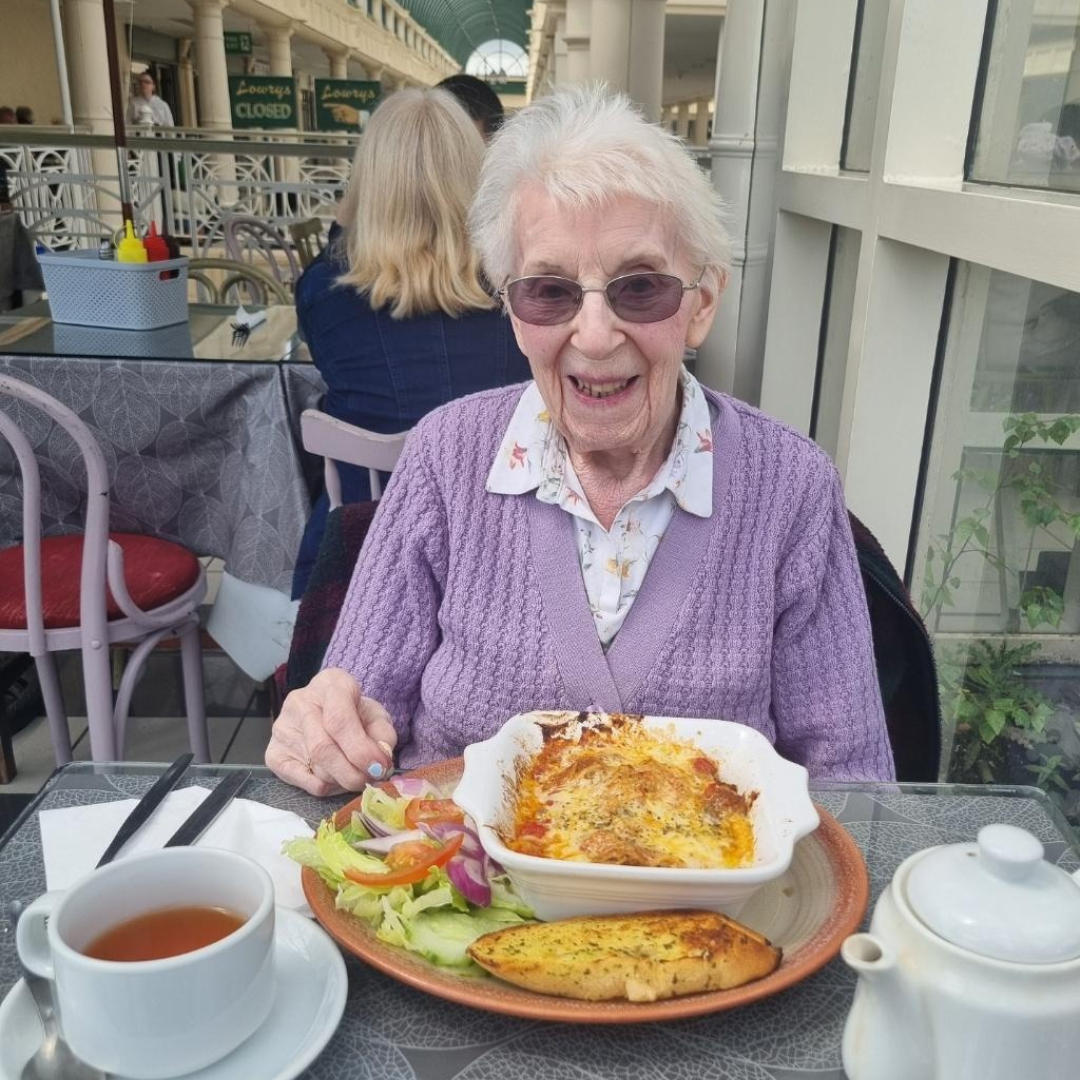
(146,806)
(203,814)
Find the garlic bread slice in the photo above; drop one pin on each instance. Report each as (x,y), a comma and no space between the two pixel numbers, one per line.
(645,956)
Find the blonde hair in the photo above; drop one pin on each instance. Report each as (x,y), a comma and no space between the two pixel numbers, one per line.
(414,175)
(585,147)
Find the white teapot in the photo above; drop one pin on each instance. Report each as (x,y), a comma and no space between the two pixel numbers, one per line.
(971,968)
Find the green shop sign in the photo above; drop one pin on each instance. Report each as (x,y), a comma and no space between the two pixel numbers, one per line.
(344,104)
(263,101)
(237,43)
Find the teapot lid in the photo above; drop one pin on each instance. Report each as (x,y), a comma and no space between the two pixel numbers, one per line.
(999,898)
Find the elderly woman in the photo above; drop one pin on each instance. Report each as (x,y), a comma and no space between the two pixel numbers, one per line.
(610,535)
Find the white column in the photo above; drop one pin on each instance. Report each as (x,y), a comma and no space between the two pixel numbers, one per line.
(188,112)
(214,108)
(339,63)
(214,111)
(578,23)
(609,42)
(561,58)
(682,119)
(699,130)
(645,71)
(88,74)
(279,41)
(91,95)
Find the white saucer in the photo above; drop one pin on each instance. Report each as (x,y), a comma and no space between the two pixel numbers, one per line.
(311,989)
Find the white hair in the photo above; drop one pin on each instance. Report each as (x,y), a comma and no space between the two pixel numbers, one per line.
(585,147)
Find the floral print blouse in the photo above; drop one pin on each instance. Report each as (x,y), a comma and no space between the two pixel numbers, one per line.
(533,456)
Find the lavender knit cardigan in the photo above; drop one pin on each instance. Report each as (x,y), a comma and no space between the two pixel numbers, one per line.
(467,607)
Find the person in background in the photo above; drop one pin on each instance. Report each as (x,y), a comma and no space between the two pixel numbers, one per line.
(480,101)
(7,115)
(396,313)
(612,535)
(24,115)
(145,106)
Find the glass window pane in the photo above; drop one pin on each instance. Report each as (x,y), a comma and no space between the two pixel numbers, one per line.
(997,572)
(835,332)
(870,24)
(1028,117)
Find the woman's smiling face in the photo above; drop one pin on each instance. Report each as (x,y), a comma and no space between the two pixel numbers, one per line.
(610,385)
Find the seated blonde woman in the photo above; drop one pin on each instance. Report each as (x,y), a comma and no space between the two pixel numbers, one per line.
(396,315)
(612,535)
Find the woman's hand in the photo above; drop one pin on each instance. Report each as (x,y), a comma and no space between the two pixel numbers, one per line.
(329,738)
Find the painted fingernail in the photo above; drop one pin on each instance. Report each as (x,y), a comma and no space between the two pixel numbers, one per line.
(386,748)
(375,770)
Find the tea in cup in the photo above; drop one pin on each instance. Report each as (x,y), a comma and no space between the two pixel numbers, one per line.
(161,963)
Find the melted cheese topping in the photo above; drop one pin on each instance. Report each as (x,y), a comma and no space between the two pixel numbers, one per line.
(621,794)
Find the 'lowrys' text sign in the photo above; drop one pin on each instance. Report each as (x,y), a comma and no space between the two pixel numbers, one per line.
(263,101)
(344,104)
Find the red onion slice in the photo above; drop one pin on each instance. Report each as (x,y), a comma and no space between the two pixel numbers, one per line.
(372,824)
(467,876)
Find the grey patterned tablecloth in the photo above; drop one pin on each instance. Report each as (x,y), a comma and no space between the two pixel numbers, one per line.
(205,453)
(393,1032)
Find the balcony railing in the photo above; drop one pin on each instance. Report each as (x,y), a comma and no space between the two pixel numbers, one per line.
(65,185)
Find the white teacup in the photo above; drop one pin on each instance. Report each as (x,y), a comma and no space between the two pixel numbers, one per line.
(156,1018)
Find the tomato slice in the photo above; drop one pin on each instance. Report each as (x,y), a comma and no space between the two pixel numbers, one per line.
(409,862)
(433,811)
(533,828)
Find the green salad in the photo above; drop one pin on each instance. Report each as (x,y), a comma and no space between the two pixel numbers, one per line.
(410,864)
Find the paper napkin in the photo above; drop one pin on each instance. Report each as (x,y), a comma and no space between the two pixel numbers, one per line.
(73,838)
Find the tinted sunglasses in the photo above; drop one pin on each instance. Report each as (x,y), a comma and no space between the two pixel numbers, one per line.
(548,300)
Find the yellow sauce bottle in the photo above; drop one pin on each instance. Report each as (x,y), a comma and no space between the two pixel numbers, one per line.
(131,249)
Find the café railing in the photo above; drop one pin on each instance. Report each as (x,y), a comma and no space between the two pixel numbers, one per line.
(65,185)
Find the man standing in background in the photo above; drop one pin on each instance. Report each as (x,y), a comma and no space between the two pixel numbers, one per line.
(145,106)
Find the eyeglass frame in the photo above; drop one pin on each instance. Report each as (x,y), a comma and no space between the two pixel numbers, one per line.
(503,293)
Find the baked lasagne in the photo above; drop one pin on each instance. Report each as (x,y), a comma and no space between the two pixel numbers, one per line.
(614,791)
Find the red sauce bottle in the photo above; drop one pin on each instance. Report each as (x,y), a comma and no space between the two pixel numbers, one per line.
(156,248)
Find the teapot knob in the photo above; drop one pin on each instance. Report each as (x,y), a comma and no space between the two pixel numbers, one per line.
(1009,852)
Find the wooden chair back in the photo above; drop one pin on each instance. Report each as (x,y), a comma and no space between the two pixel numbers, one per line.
(307,238)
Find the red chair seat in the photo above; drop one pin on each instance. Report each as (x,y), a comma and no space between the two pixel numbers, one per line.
(156,571)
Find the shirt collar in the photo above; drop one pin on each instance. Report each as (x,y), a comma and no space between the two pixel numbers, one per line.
(533,457)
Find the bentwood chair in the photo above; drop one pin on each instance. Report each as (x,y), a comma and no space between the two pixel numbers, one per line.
(256,242)
(337,441)
(226,281)
(92,590)
(346,526)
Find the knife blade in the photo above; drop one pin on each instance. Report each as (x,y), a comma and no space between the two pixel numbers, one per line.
(146,806)
(204,814)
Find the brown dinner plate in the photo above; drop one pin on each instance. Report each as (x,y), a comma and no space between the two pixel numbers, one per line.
(807,911)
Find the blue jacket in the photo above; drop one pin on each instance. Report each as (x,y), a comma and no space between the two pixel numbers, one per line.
(384,374)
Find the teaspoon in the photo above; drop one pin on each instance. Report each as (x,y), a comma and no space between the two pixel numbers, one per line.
(54,1059)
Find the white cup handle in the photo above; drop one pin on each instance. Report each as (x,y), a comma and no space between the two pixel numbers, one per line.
(32,935)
